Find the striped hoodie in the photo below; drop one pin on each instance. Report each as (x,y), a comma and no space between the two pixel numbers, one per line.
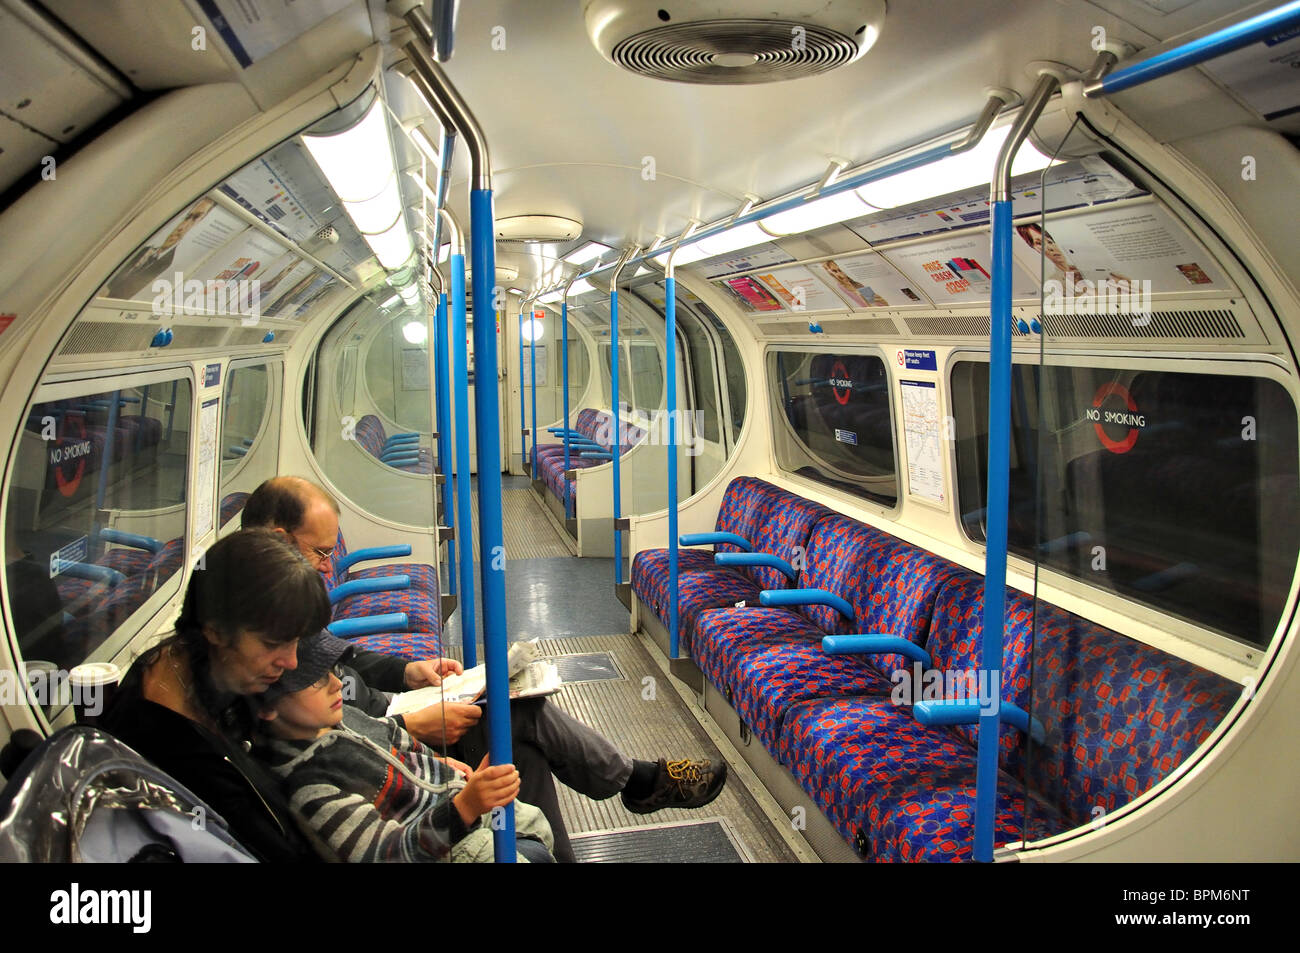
(370,791)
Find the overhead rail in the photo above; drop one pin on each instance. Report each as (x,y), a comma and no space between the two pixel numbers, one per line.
(1235,37)
(997,101)
(442,381)
(443,97)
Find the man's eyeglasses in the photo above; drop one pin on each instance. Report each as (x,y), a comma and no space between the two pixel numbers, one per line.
(320,553)
(335,670)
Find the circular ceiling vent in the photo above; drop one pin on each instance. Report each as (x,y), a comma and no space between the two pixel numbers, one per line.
(728,52)
(732,42)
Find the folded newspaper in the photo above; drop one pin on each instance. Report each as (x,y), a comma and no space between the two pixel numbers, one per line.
(529,677)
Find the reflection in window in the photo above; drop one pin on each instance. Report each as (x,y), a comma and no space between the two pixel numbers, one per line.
(647,375)
(250,434)
(833,421)
(96,515)
(1177,490)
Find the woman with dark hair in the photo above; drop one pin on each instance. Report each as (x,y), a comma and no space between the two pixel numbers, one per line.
(184,703)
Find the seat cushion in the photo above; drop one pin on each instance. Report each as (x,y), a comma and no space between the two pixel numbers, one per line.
(422,613)
(650,574)
(411,646)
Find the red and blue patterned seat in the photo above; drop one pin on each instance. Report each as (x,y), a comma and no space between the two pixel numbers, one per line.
(421,601)
(595,425)
(370,434)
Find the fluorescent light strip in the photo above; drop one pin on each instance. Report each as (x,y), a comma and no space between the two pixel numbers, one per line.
(588,252)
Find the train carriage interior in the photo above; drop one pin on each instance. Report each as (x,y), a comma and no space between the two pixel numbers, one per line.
(891,403)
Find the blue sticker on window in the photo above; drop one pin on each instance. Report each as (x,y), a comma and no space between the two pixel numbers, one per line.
(846,436)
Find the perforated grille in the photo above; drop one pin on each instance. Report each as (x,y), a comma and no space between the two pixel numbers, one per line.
(1217,325)
(96,337)
(729,52)
(962,325)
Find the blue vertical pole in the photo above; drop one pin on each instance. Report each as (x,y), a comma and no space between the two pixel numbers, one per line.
(464,537)
(670,332)
(996,501)
(564,358)
(616,410)
(532,357)
(442,394)
(523,444)
(492,565)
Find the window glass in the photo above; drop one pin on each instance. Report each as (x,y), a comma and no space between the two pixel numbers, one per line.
(647,375)
(250,432)
(95,521)
(735,370)
(704,377)
(832,420)
(1177,490)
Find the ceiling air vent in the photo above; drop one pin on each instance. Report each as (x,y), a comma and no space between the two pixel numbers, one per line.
(732,42)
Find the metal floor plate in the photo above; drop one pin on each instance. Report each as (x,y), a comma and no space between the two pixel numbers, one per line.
(708,841)
(587,667)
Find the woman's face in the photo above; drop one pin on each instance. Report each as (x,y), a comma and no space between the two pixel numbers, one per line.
(251,663)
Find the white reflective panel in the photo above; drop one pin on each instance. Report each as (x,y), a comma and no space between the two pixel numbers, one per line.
(392,247)
(379,213)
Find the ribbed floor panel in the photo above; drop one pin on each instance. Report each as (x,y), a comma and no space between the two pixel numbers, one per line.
(529,534)
(588,667)
(644,717)
(699,842)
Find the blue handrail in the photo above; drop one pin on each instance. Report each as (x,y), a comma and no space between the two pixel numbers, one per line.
(532,357)
(616,411)
(670,338)
(1218,43)
(526,460)
(441,375)
(564,365)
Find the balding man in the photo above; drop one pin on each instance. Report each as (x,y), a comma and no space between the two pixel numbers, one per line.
(546,741)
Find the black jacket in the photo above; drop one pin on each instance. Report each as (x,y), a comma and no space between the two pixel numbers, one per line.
(216,768)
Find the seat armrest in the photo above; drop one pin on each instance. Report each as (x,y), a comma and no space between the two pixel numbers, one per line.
(806,597)
(873,644)
(712,539)
(757,559)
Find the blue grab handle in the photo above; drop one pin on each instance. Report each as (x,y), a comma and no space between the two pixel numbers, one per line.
(756,559)
(92,572)
(396,551)
(954,711)
(713,539)
(369,625)
(134,540)
(806,597)
(356,587)
(237,451)
(867,644)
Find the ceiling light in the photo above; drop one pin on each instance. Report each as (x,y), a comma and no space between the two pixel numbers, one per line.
(962,170)
(815,214)
(415,332)
(588,252)
(390,302)
(379,213)
(392,247)
(742,236)
(532,330)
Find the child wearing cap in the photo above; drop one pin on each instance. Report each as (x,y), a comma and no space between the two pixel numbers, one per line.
(367,789)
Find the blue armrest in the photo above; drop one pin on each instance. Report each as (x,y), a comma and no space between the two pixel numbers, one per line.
(756,559)
(404,433)
(402,442)
(248,441)
(356,587)
(596,455)
(559,431)
(369,625)
(237,451)
(953,711)
(806,597)
(134,540)
(91,571)
(875,645)
(400,459)
(373,552)
(712,539)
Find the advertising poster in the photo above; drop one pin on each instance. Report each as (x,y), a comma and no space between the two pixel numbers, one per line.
(800,289)
(1263,74)
(264,190)
(760,256)
(179,246)
(868,281)
(955,269)
(1136,243)
(751,294)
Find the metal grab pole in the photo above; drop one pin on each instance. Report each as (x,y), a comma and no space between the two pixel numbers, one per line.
(445,99)
(617,411)
(564,365)
(670,371)
(1252,30)
(464,537)
(524,461)
(532,357)
(443,404)
(998,482)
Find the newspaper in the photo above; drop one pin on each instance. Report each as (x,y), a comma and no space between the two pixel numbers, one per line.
(530,677)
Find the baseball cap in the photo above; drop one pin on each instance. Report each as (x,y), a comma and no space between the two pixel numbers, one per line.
(317,654)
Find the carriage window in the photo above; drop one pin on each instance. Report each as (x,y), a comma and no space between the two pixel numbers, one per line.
(1177,490)
(95,522)
(832,421)
(648,375)
(250,435)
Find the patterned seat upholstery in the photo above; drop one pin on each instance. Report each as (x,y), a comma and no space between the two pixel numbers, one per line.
(232,504)
(773,520)
(596,425)
(370,435)
(411,646)
(421,602)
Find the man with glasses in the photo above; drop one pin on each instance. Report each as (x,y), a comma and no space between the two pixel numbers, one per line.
(546,741)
